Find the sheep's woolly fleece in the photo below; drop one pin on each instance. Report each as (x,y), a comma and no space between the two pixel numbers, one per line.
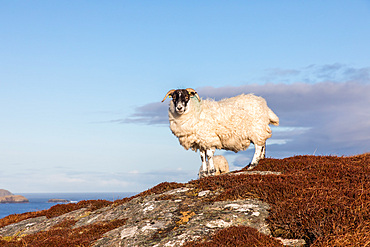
(228,124)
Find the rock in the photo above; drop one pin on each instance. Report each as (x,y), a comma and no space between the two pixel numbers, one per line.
(58,201)
(256,173)
(170,218)
(13,199)
(292,242)
(221,166)
(38,224)
(5,193)
(7,197)
(184,217)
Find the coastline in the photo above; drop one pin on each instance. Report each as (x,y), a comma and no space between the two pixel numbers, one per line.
(39,201)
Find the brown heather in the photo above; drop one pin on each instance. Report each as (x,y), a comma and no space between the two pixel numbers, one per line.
(237,236)
(63,235)
(55,211)
(322,199)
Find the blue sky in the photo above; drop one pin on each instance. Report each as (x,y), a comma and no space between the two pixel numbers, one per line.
(81,84)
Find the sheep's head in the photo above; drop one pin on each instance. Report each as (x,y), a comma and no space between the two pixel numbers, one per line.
(180,98)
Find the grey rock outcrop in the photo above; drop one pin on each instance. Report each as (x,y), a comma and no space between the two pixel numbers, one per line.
(159,221)
(58,201)
(165,219)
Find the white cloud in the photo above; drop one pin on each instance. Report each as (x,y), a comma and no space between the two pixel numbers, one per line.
(134,172)
(323,118)
(85,181)
(330,116)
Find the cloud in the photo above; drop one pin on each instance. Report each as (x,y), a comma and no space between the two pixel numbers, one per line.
(283,72)
(88,181)
(330,116)
(151,114)
(336,72)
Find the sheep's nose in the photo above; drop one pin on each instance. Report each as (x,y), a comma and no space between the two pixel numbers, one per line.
(179,108)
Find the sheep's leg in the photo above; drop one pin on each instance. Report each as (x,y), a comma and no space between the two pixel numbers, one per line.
(263,155)
(211,166)
(203,168)
(258,152)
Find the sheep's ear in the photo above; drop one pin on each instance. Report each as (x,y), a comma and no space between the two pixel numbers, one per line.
(168,94)
(192,92)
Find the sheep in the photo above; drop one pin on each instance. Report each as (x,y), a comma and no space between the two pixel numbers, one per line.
(221,165)
(229,124)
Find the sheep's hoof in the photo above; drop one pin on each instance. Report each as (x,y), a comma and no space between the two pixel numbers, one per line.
(212,172)
(202,174)
(251,166)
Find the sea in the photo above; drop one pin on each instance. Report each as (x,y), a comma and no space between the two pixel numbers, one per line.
(39,201)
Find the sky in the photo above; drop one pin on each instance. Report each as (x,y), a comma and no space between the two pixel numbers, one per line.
(81,84)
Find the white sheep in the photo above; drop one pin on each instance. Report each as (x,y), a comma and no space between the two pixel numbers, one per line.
(230,124)
(221,166)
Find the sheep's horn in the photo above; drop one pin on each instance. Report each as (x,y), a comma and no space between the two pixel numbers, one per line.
(190,90)
(168,93)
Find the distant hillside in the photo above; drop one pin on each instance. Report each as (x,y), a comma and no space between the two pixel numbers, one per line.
(311,200)
(5,193)
(7,197)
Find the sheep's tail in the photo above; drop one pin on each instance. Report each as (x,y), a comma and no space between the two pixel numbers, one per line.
(274,120)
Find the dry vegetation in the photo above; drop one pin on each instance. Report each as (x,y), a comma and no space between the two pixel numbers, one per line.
(55,211)
(63,235)
(322,199)
(237,236)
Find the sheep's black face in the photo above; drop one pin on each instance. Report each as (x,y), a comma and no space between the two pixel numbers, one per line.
(180,100)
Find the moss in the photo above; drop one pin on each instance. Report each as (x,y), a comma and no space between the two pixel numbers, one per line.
(7,238)
(186,215)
